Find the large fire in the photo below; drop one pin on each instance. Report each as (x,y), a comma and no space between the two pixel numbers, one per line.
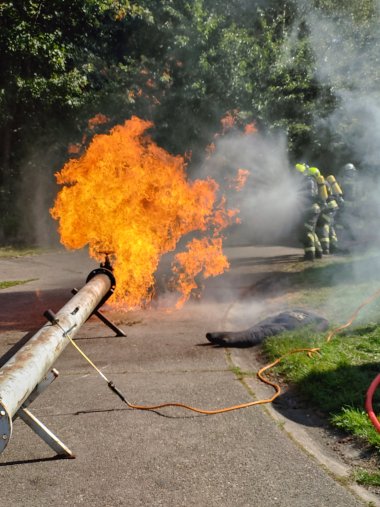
(127,196)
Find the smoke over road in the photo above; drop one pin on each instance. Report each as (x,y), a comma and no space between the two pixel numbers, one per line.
(269,201)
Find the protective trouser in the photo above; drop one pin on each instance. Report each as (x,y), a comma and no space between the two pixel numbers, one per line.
(345,220)
(323,231)
(308,237)
(333,239)
(325,227)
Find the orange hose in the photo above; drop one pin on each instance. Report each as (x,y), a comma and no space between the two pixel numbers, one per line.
(276,387)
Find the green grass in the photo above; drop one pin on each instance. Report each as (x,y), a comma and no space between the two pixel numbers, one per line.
(241,374)
(357,422)
(10,251)
(5,285)
(336,380)
(367,478)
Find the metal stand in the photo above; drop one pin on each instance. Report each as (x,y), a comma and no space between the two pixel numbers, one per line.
(107,322)
(24,375)
(36,425)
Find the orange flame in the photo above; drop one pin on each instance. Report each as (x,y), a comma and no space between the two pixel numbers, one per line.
(128,196)
(98,119)
(238,182)
(203,256)
(74,148)
(241,179)
(210,149)
(250,128)
(228,121)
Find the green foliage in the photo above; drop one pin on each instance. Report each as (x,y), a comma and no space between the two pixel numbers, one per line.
(56,60)
(223,58)
(345,40)
(360,12)
(182,64)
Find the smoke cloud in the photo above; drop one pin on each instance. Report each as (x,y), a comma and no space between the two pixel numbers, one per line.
(346,56)
(268,202)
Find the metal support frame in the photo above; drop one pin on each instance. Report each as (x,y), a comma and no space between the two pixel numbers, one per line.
(36,425)
(43,432)
(104,319)
(28,372)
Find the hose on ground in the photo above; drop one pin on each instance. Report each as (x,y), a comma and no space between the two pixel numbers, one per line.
(260,374)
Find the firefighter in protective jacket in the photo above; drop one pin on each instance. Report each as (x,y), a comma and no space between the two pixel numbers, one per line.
(335,194)
(310,211)
(349,213)
(325,224)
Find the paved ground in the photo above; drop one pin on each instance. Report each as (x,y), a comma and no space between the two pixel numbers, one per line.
(170,457)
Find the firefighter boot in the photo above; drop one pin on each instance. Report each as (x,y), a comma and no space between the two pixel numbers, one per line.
(309,256)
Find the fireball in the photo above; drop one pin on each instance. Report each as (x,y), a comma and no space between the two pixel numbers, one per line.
(129,197)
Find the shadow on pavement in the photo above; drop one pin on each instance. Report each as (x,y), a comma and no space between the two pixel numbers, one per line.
(31,461)
(24,310)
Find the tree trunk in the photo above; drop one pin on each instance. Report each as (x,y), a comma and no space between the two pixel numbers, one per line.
(6,136)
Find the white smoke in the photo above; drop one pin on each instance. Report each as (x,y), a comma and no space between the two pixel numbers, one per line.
(346,57)
(268,202)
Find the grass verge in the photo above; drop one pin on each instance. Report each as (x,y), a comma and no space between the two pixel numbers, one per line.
(5,285)
(10,251)
(363,477)
(336,380)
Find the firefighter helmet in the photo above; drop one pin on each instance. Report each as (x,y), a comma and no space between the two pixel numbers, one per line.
(313,171)
(301,168)
(349,168)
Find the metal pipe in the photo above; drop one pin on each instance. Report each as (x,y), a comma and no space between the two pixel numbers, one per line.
(25,370)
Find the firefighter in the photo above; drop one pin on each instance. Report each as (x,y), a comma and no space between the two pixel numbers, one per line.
(348,178)
(325,224)
(314,174)
(310,211)
(335,194)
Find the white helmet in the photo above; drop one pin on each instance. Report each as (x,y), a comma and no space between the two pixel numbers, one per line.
(348,168)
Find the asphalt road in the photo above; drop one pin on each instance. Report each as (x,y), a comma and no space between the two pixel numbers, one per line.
(170,457)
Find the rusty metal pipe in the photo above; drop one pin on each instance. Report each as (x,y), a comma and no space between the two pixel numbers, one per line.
(26,369)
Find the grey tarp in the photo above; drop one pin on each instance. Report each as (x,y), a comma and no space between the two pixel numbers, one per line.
(284,321)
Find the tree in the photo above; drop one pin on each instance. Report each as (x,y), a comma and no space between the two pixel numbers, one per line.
(56,60)
(182,64)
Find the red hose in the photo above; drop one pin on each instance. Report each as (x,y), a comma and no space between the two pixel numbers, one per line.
(368,402)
